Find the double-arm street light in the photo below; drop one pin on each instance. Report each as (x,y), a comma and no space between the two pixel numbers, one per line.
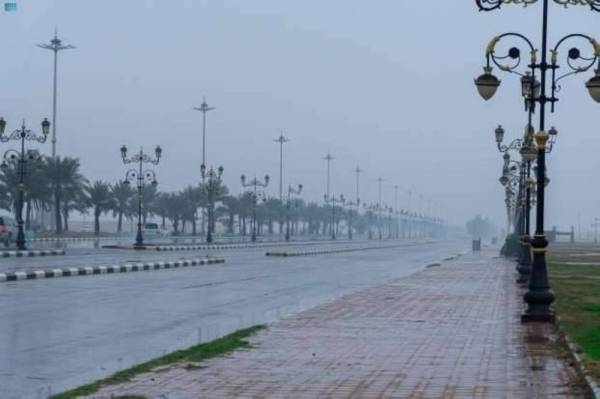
(291,191)
(539,296)
(334,201)
(21,157)
(212,185)
(140,177)
(256,184)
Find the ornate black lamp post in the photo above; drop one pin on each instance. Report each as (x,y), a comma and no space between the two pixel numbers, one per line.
(288,205)
(351,205)
(372,209)
(333,200)
(213,184)
(528,152)
(23,134)
(140,177)
(390,212)
(255,183)
(512,182)
(539,295)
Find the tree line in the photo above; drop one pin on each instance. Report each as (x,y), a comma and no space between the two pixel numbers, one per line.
(57,185)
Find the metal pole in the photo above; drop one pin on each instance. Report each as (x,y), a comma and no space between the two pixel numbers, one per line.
(55,46)
(139,239)
(539,296)
(54,106)
(329,158)
(397,228)
(254,213)
(379,180)
(20,232)
(204,108)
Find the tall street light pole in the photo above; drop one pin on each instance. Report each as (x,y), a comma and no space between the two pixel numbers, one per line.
(379,206)
(327,196)
(55,46)
(396,211)
(358,171)
(281,140)
(595,225)
(204,108)
(539,296)
(410,218)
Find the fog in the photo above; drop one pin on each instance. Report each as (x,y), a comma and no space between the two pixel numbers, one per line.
(387,85)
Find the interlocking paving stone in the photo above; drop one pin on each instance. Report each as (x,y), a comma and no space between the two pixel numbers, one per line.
(447,332)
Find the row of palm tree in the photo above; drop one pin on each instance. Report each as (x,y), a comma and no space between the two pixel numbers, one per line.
(57,185)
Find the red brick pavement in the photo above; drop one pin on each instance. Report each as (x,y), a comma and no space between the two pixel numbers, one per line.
(446,332)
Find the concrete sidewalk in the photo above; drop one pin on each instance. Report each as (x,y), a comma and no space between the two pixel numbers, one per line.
(446,332)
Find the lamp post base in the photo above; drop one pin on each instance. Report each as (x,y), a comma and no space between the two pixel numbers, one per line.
(538,318)
(524,266)
(21,239)
(539,296)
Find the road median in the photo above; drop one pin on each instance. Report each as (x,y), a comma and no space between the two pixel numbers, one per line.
(110,269)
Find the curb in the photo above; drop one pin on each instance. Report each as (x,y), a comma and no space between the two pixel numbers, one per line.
(52,239)
(26,254)
(195,247)
(590,382)
(592,385)
(333,251)
(165,248)
(97,270)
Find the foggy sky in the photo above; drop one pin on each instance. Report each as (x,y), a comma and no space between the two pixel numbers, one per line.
(387,85)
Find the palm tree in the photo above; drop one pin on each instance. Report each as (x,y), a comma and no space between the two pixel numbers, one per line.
(101,199)
(191,198)
(160,207)
(149,194)
(231,207)
(123,195)
(66,185)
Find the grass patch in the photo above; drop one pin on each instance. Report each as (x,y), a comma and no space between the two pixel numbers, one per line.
(194,355)
(577,289)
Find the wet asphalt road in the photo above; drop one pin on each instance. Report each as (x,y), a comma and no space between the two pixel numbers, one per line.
(60,333)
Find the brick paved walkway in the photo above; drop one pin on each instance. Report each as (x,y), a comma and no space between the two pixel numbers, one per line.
(447,332)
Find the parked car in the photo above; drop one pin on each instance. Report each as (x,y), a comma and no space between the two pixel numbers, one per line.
(153,229)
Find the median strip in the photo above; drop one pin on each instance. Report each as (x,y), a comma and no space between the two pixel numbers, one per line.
(26,254)
(111,269)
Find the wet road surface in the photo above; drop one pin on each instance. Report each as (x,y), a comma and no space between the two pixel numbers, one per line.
(58,334)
